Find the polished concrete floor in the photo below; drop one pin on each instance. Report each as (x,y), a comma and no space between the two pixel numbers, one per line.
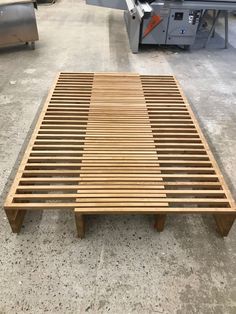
(123,265)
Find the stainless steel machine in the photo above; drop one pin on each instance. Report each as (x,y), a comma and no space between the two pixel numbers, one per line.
(18,22)
(167,22)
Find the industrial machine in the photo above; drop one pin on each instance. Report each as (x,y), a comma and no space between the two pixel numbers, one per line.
(18,22)
(167,22)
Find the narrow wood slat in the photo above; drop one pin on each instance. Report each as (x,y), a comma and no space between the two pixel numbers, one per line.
(116,166)
(74,205)
(152,191)
(152,210)
(153,186)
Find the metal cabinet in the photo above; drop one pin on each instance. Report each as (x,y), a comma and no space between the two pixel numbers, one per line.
(17,22)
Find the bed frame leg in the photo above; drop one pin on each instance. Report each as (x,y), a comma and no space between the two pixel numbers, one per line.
(160,222)
(224,223)
(15,218)
(80,225)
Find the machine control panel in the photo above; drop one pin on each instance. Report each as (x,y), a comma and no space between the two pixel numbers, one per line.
(194,17)
(182,26)
(174,27)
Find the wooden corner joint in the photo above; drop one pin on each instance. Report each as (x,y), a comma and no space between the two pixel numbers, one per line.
(224,223)
(80,225)
(15,218)
(160,222)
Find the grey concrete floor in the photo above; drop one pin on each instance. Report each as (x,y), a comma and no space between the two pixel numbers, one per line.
(123,265)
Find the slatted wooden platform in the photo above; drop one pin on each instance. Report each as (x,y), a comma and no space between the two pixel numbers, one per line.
(118,143)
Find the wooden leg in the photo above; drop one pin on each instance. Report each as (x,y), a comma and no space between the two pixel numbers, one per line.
(224,223)
(79,220)
(15,218)
(160,222)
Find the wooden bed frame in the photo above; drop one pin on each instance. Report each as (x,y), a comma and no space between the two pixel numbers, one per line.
(118,143)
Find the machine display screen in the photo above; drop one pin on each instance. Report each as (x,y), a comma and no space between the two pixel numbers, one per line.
(179,16)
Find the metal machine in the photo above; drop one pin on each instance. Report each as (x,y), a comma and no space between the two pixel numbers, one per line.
(18,22)
(167,22)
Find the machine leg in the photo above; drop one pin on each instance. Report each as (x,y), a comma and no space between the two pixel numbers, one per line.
(15,218)
(212,27)
(32,45)
(80,225)
(224,223)
(226,29)
(160,222)
(214,16)
(201,20)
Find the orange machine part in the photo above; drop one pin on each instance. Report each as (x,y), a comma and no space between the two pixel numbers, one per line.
(155,20)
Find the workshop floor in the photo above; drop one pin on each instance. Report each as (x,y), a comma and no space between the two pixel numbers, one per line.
(123,265)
